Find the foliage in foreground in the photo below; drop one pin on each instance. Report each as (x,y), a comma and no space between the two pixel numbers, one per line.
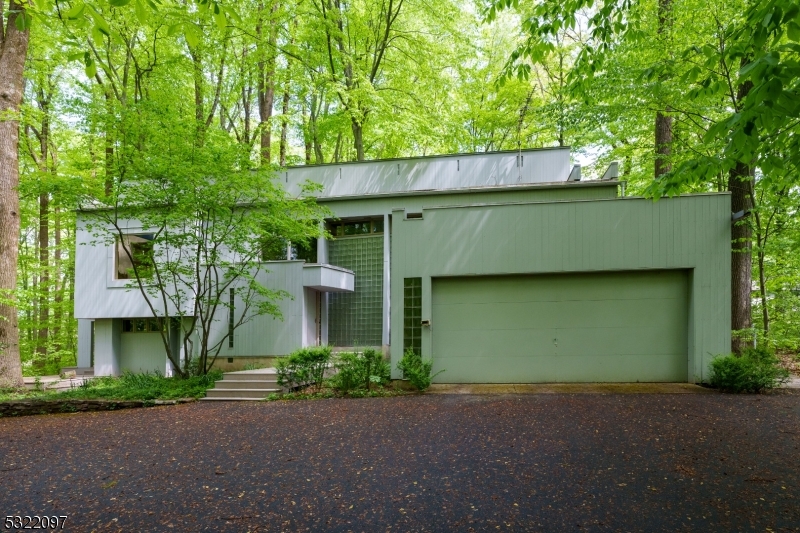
(360,371)
(305,366)
(756,370)
(129,386)
(416,370)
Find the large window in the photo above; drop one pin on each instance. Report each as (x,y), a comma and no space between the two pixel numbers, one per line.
(134,255)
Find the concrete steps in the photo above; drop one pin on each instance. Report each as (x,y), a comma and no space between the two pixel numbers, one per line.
(79,371)
(245,385)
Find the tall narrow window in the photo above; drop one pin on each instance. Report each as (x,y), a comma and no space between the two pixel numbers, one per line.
(230,319)
(412,314)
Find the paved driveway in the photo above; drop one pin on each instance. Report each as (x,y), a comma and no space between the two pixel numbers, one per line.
(545,462)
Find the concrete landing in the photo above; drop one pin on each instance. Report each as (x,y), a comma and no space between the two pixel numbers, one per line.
(568,388)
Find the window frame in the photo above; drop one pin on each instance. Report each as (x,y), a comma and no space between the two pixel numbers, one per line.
(118,248)
(334,226)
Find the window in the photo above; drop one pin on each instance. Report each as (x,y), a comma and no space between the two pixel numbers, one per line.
(306,252)
(231,325)
(356,228)
(273,248)
(412,315)
(142,325)
(134,254)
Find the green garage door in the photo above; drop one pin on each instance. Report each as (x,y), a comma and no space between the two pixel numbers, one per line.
(621,326)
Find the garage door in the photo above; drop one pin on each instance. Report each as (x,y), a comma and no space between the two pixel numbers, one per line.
(622,326)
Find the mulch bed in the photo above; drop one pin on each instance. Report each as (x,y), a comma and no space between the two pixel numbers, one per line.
(549,462)
(45,407)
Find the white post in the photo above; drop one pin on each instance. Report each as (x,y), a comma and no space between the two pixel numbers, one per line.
(84,343)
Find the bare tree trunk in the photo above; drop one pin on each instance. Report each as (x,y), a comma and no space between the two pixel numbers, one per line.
(306,136)
(44,274)
(284,125)
(663,125)
(13,49)
(741,255)
(266,81)
(358,138)
(740,185)
(60,284)
(663,143)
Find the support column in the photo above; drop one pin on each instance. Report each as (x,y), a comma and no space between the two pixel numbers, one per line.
(107,346)
(387,285)
(84,343)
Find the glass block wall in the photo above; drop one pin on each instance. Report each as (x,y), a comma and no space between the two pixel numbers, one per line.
(412,314)
(356,318)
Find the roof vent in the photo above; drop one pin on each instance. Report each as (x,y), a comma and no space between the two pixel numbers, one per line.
(575,175)
(612,173)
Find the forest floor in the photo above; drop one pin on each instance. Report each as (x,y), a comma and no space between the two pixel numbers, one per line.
(458,462)
(791,362)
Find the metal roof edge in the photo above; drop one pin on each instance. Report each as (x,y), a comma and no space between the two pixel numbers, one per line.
(467,190)
(425,157)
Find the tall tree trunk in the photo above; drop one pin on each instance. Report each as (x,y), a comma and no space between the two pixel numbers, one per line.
(13,49)
(109,142)
(663,143)
(60,283)
(740,185)
(266,81)
(358,138)
(663,125)
(741,255)
(306,136)
(284,125)
(44,272)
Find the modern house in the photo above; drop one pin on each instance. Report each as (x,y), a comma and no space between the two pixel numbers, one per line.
(504,267)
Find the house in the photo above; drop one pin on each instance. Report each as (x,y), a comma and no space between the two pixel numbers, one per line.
(504,267)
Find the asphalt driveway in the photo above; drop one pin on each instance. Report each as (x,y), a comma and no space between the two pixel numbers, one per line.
(543,462)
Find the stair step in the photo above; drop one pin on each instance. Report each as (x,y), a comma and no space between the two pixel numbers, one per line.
(207,399)
(246,384)
(240,393)
(232,376)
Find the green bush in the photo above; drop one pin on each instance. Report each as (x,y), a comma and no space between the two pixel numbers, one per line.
(416,370)
(757,369)
(359,371)
(305,366)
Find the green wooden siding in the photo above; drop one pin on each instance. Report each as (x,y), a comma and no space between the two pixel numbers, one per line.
(690,233)
(377,204)
(620,326)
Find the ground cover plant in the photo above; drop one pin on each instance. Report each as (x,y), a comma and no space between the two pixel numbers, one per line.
(128,386)
(304,367)
(359,374)
(756,370)
(357,371)
(417,370)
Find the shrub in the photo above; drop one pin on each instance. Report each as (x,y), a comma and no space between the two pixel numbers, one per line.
(416,370)
(305,366)
(757,369)
(358,371)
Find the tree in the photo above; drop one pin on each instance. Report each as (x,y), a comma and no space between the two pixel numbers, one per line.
(14,33)
(202,213)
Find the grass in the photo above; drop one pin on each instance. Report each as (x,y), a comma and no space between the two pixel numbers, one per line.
(126,387)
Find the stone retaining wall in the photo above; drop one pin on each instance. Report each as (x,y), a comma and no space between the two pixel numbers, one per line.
(44,407)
